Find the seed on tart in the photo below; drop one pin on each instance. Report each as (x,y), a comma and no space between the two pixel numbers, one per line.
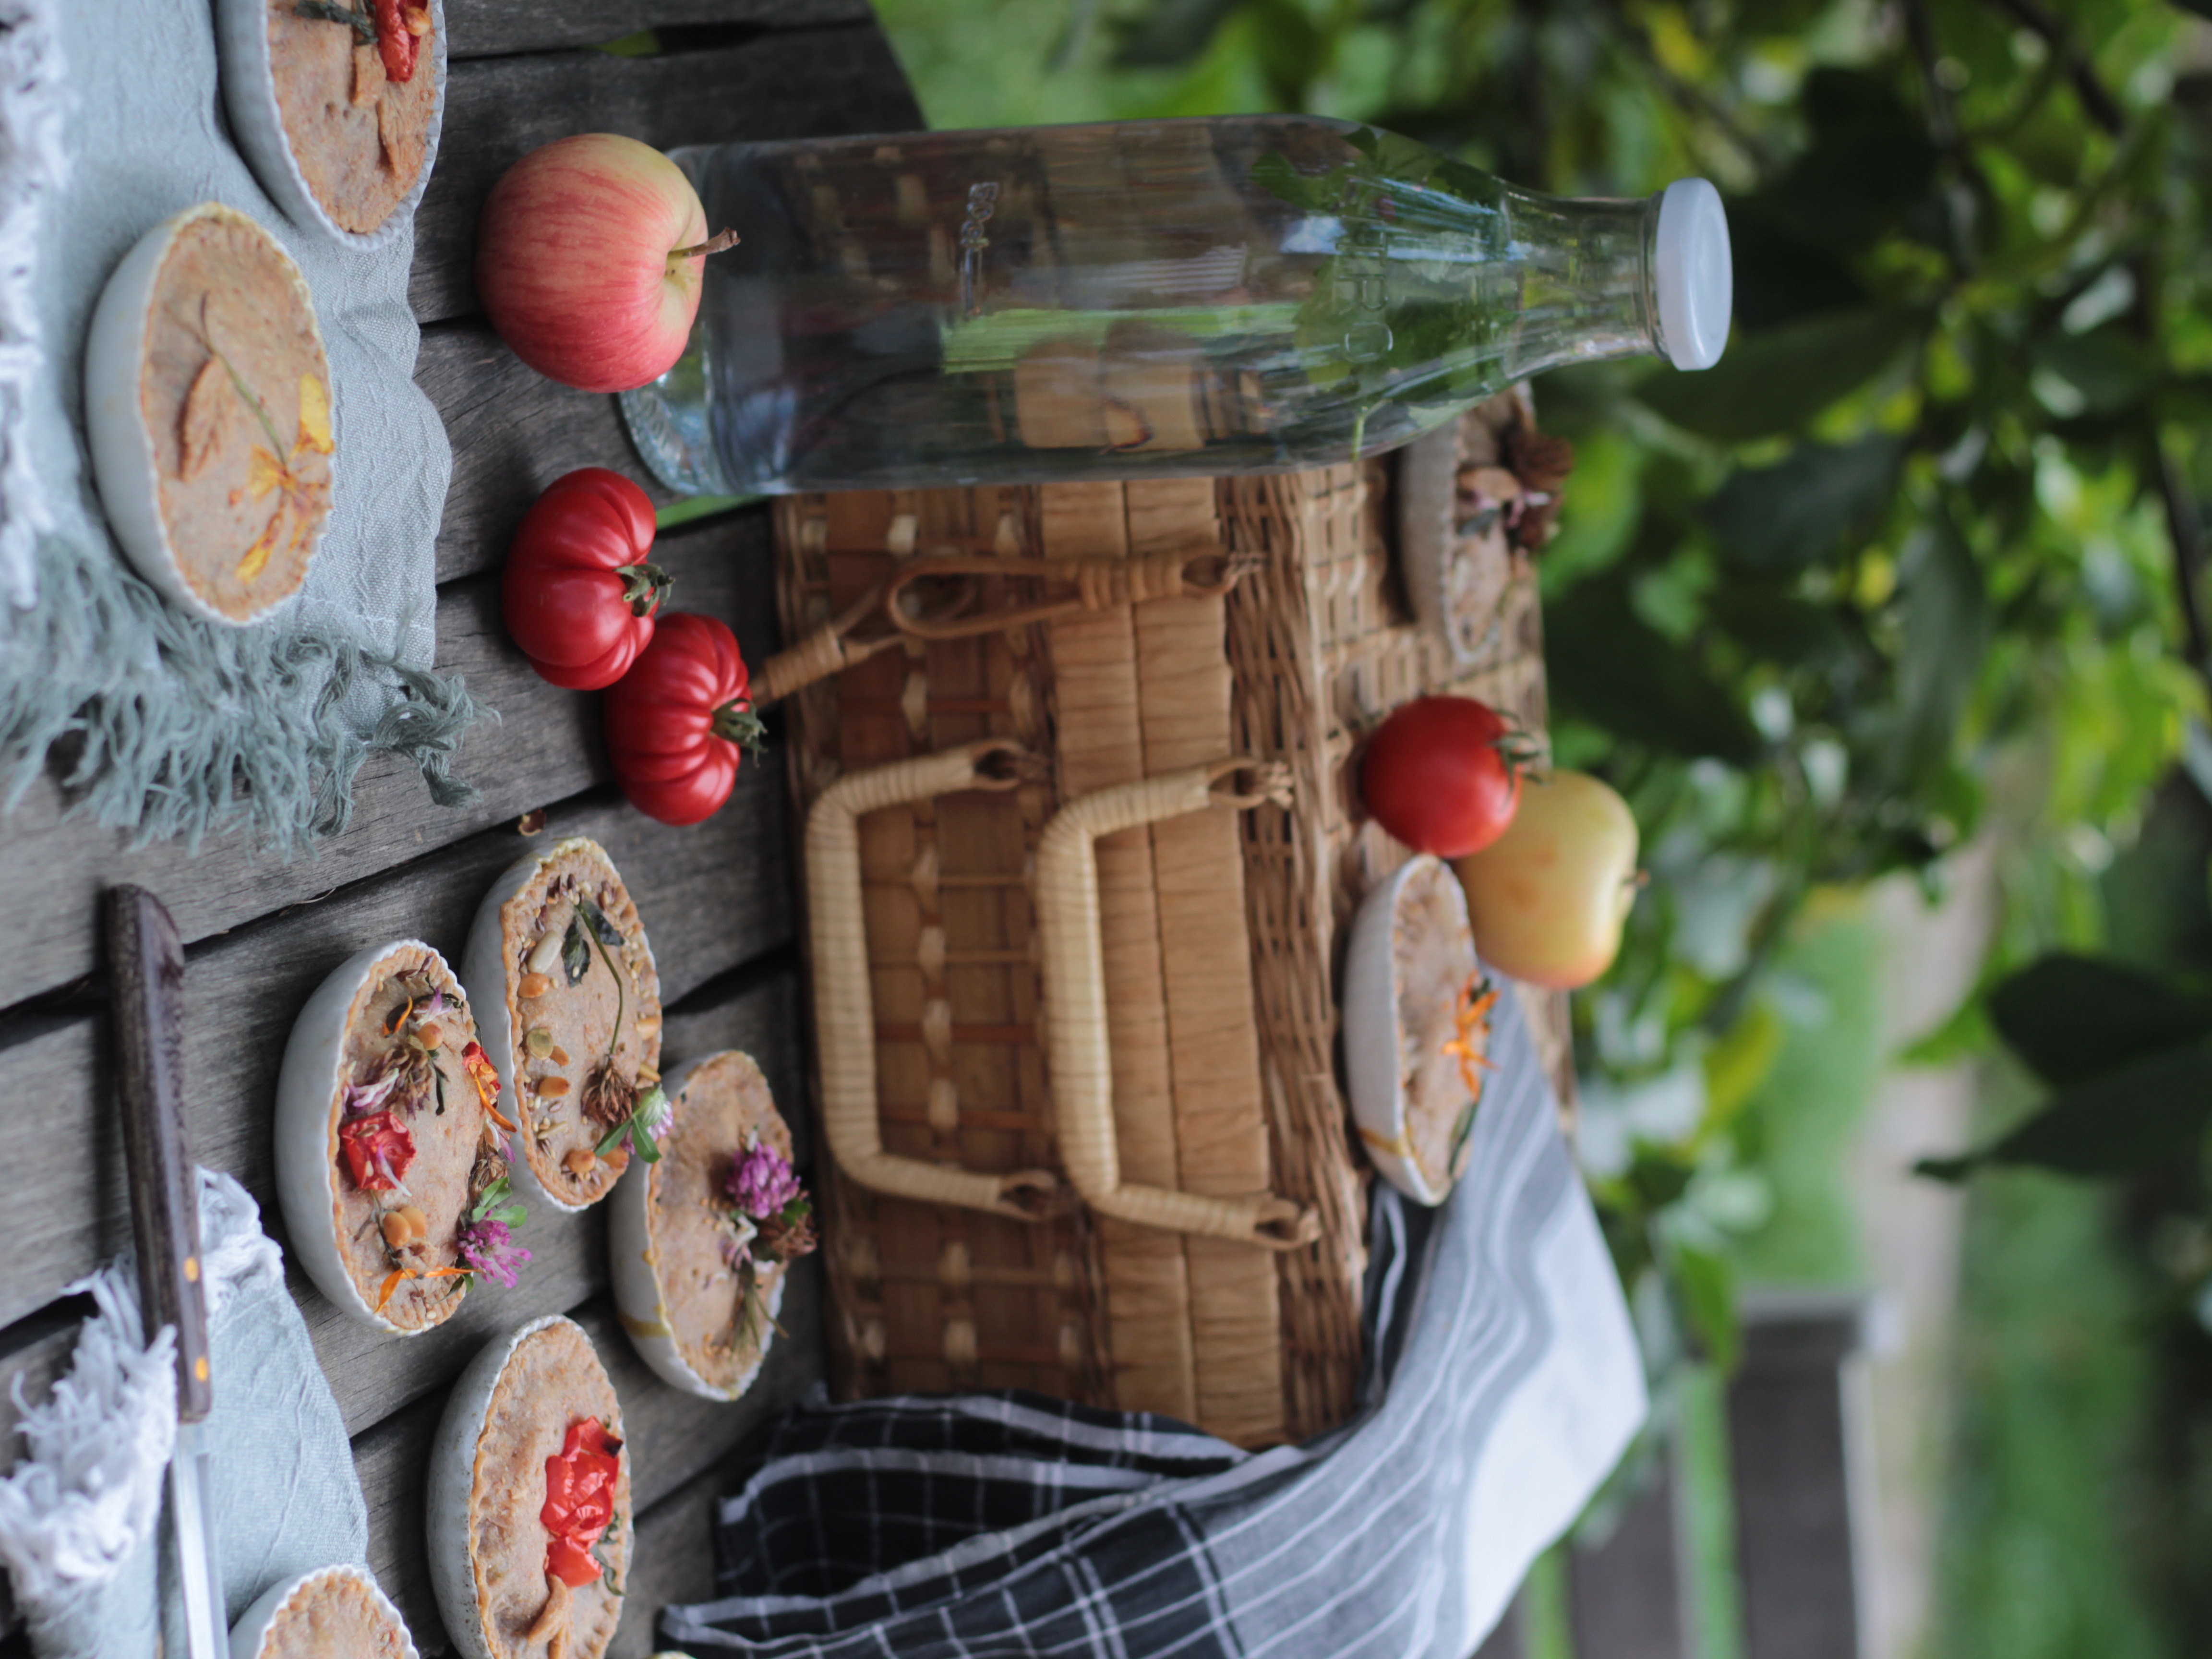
(331,1613)
(565,978)
(529,1518)
(702,1238)
(1418,1011)
(392,1162)
(208,405)
(337,104)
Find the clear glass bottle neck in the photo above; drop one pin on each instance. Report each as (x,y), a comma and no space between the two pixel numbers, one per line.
(1588,277)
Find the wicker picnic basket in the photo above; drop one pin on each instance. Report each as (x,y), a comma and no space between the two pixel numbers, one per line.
(1121,770)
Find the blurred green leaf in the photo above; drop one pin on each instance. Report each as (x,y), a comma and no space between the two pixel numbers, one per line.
(1947,632)
(1707,1284)
(2071,1017)
(1610,665)
(1798,512)
(1777,380)
(1173,31)
(2108,368)
(2144,1116)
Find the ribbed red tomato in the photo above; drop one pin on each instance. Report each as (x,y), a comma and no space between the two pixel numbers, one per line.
(678,721)
(1443,774)
(579,593)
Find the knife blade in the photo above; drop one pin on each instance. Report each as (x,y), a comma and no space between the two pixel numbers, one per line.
(146,960)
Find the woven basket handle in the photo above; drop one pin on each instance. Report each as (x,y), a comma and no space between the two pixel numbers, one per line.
(1080,1060)
(844,1010)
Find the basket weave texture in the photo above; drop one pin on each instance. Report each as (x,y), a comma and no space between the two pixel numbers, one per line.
(1220,929)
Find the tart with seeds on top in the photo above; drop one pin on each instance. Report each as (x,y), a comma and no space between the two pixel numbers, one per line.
(703,1237)
(391,1162)
(529,1510)
(208,410)
(330,1613)
(1416,1016)
(564,983)
(337,103)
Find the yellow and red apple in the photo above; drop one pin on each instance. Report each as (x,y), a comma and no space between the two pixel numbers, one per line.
(589,261)
(1548,898)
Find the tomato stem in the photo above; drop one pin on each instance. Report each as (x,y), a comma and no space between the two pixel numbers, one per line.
(644,586)
(735,722)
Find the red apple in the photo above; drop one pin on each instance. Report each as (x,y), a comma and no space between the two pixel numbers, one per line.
(589,258)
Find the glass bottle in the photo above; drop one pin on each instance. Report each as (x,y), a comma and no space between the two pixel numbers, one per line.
(1141,299)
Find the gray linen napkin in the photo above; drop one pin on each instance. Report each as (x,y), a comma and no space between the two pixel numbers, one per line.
(77,1517)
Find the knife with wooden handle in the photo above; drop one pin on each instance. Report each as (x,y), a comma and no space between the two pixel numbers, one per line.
(147,961)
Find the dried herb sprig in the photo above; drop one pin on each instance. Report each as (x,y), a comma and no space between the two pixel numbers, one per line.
(328,11)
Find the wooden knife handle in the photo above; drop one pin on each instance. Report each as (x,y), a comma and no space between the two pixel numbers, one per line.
(147,961)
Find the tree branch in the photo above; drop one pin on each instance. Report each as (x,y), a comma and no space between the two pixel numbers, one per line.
(2096,98)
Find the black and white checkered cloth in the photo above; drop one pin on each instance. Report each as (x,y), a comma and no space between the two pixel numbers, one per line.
(1504,1383)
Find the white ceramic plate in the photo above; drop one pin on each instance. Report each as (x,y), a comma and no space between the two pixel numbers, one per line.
(253,1628)
(306,1110)
(490,976)
(249,93)
(124,458)
(635,1264)
(1371,1060)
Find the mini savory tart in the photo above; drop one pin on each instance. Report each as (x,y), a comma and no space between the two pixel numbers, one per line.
(703,1237)
(208,408)
(529,1519)
(330,1613)
(1417,1012)
(561,972)
(391,1164)
(337,103)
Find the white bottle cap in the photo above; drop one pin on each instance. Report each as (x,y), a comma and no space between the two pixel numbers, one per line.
(1696,278)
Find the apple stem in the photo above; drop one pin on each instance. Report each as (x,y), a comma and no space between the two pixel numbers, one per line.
(720,244)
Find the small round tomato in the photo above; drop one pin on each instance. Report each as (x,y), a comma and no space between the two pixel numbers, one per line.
(578,592)
(677,722)
(1443,774)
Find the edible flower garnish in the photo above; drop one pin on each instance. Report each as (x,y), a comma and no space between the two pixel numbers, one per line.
(1471,1017)
(486,1242)
(375,1088)
(763,1189)
(378,1149)
(580,1500)
(485,1076)
(400,1275)
(647,1126)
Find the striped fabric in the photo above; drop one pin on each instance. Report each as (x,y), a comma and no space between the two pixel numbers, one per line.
(1504,1383)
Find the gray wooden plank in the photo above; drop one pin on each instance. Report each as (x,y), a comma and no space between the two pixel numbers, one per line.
(810,82)
(513,432)
(544,748)
(1626,1595)
(674,1437)
(489,28)
(711,895)
(674,1561)
(1790,1454)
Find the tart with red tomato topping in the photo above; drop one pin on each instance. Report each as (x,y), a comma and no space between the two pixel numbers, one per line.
(1417,1018)
(208,409)
(392,1153)
(565,984)
(528,1517)
(338,105)
(703,1238)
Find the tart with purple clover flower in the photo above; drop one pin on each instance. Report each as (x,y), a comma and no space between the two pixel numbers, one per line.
(393,1164)
(569,1000)
(702,1237)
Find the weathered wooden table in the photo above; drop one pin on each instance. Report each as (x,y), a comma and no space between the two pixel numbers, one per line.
(263,931)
